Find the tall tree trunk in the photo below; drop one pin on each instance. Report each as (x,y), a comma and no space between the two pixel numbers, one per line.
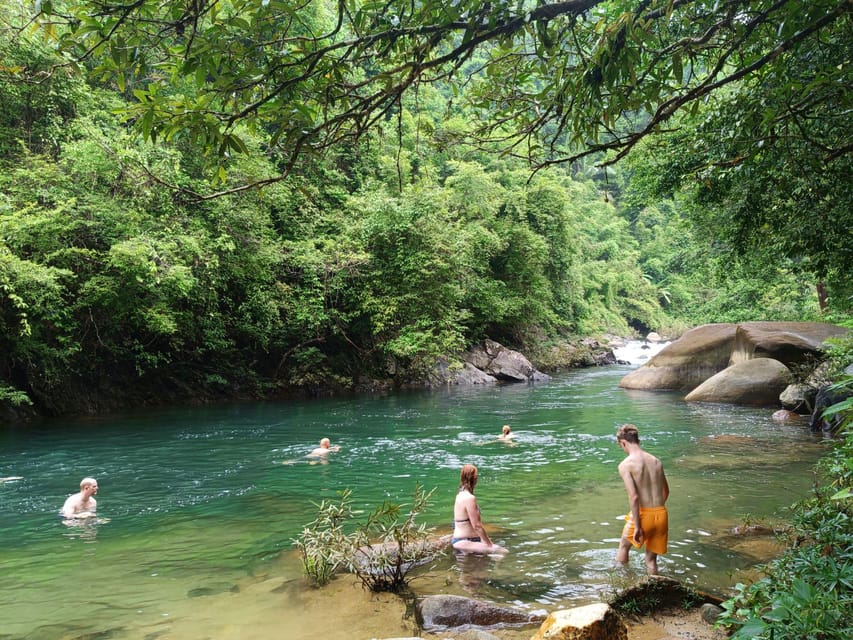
(821,295)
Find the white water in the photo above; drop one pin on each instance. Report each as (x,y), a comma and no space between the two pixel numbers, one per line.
(638,351)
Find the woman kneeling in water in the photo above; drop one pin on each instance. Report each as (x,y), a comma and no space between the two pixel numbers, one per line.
(468,531)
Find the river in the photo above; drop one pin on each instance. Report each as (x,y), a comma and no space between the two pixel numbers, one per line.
(199,506)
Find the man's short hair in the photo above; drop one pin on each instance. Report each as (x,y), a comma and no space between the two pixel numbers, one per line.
(87,482)
(628,433)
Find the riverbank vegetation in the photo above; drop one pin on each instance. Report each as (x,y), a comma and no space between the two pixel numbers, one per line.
(209,209)
(808,591)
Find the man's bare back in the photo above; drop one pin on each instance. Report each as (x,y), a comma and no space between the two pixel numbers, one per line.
(646,472)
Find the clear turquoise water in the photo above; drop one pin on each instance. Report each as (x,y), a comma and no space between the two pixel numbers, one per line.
(201,504)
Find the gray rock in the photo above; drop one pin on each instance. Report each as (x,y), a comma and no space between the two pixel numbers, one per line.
(686,363)
(798,396)
(751,382)
(442,375)
(704,351)
(787,342)
(447,611)
(502,363)
(710,612)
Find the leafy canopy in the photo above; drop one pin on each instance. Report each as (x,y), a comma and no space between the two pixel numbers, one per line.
(554,81)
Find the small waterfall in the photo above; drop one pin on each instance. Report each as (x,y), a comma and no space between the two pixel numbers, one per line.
(637,351)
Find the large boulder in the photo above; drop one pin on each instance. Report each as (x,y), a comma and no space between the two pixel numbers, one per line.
(446,612)
(704,351)
(502,363)
(798,397)
(787,342)
(592,622)
(686,363)
(752,382)
(443,375)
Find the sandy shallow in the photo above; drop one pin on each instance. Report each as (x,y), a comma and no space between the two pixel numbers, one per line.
(687,625)
(670,625)
(342,610)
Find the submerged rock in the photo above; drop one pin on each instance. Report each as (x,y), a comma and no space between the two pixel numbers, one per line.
(378,558)
(785,415)
(213,589)
(447,611)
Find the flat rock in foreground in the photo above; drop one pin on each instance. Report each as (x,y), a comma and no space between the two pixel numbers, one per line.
(592,622)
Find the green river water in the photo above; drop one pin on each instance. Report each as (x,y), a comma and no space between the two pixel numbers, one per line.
(198,506)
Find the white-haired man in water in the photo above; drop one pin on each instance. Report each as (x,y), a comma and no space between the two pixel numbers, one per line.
(324,449)
(83,504)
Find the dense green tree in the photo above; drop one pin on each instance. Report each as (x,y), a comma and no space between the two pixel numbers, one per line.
(558,80)
(367,260)
(37,99)
(759,93)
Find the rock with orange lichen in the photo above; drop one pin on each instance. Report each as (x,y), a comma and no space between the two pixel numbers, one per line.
(592,622)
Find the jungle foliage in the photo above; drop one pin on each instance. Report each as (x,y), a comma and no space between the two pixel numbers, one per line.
(320,280)
(395,217)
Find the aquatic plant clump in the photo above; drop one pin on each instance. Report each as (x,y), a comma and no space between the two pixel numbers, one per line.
(380,551)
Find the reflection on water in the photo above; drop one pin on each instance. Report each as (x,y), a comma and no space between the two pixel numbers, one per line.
(203,504)
(85,529)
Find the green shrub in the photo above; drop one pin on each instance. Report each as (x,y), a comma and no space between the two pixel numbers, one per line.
(808,591)
(323,544)
(380,552)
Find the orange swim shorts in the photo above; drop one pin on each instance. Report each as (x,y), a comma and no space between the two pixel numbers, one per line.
(655,521)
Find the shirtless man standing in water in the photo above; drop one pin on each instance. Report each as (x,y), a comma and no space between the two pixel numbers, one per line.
(647,490)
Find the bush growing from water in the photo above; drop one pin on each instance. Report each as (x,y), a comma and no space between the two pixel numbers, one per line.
(381,551)
(322,543)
